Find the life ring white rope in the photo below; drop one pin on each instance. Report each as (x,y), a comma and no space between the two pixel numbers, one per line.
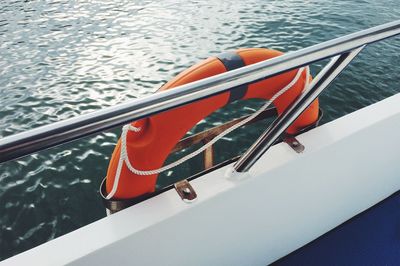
(124,157)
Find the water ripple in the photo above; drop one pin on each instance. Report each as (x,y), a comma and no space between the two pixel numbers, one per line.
(64,58)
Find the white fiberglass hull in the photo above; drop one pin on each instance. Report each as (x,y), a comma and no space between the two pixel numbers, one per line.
(284,202)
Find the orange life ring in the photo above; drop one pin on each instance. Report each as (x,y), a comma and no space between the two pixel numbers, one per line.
(149,147)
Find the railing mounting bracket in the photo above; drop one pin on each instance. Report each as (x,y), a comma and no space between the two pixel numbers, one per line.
(294,143)
(185,191)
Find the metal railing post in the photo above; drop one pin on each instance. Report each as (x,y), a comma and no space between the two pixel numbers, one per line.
(319,83)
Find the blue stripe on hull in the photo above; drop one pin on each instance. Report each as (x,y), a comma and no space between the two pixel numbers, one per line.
(370,238)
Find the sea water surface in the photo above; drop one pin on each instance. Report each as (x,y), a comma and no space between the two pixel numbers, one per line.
(60,59)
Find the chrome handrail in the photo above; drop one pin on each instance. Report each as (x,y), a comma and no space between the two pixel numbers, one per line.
(43,137)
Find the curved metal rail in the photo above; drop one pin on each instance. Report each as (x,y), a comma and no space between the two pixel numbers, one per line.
(40,138)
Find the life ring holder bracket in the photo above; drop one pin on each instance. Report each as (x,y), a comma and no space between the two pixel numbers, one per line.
(115,205)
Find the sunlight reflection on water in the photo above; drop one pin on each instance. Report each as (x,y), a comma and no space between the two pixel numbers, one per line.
(66,58)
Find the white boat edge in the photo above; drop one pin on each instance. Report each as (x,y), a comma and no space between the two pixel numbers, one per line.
(285,201)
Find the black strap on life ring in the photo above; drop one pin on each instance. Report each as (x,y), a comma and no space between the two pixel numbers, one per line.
(232,60)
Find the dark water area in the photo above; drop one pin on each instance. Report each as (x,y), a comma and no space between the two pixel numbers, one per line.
(63,58)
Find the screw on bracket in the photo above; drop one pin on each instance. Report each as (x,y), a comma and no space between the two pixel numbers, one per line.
(185,191)
(294,143)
